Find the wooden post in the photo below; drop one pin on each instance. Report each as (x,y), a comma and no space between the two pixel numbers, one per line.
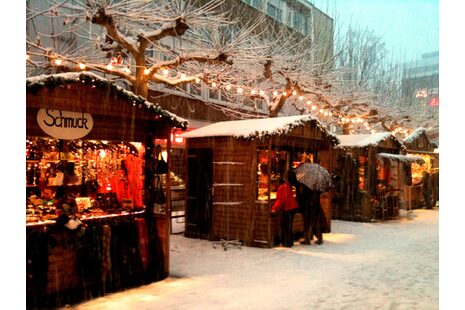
(270,241)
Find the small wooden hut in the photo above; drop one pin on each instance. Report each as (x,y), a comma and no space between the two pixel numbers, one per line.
(361,177)
(232,175)
(89,125)
(425,177)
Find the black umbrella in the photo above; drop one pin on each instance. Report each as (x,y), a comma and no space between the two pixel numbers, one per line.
(314,177)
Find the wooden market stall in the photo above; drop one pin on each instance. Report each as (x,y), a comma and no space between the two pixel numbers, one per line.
(233,170)
(92,225)
(425,177)
(363,182)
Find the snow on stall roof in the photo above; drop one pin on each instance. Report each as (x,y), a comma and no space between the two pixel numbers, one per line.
(402,158)
(253,127)
(414,135)
(363,140)
(74,76)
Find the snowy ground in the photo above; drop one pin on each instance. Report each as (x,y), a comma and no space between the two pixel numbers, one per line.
(391,265)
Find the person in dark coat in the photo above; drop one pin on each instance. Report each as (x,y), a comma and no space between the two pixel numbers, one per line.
(316,217)
(312,214)
(285,201)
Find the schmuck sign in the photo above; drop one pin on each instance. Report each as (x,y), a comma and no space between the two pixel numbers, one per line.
(64,125)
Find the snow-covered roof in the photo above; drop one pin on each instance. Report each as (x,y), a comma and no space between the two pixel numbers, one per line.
(364,140)
(33,84)
(414,135)
(401,158)
(255,128)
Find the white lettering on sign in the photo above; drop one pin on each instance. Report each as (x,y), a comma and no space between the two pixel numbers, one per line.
(65,124)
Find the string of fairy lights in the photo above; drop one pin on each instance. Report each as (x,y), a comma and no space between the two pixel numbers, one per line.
(352,121)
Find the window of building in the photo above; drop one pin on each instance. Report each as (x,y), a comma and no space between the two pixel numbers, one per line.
(298,21)
(195,89)
(257,3)
(274,12)
(213,93)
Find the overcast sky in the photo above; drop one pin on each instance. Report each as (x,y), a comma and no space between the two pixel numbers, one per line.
(408,27)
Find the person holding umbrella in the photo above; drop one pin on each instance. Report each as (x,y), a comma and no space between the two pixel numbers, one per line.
(314,180)
(285,201)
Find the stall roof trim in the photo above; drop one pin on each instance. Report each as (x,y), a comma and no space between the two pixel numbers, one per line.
(255,128)
(364,140)
(414,135)
(402,158)
(34,84)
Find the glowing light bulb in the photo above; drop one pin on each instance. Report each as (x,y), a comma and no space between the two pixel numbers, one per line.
(261,92)
(127,70)
(253,91)
(301,98)
(321,110)
(240,90)
(165,71)
(309,102)
(325,113)
(82,66)
(284,94)
(294,92)
(275,93)
(183,75)
(146,71)
(228,87)
(313,107)
(330,113)
(213,84)
(58,62)
(109,67)
(197,80)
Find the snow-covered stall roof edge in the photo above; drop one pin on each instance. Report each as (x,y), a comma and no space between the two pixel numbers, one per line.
(365,140)
(33,84)
(414,135)
(401,158)
(257,128)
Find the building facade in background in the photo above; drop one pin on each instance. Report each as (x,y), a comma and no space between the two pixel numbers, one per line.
(420,84)
(299,16)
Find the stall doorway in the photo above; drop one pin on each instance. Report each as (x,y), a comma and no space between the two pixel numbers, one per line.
(199,193)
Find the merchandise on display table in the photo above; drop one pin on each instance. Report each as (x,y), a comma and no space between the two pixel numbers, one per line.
(100,178)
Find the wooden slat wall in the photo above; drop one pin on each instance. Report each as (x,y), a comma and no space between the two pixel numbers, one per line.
(242,153)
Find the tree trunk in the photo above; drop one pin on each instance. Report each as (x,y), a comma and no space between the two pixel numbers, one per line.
(141,88)
(141,83)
